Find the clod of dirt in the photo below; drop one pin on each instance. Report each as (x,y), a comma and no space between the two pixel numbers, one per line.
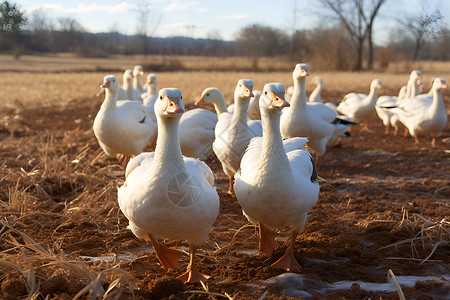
(165,286)
(13,288)
(53,285)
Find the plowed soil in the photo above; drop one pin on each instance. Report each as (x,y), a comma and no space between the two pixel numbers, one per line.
(383,205)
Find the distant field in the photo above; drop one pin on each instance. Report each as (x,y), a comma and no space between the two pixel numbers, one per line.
(58,79)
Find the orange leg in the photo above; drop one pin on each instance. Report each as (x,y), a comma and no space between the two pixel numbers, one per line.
(386,130)
(168,257)
(396,130)
(266,239)
(405,134)
(192,275)
(287,261)
(416,140)
(433,143)
(231,188)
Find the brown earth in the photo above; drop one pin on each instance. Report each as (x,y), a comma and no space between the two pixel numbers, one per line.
(60,212)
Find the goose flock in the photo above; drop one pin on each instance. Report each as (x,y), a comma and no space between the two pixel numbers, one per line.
(262,142)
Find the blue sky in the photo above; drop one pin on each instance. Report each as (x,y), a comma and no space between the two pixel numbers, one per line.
(202,18)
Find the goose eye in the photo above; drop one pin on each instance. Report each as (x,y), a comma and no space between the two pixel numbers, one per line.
(207,94)
(265,92)
(160,97)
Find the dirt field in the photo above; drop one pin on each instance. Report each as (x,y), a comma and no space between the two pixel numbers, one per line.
(384,205)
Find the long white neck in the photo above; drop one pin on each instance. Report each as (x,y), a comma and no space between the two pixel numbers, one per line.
(413,89)
(137,83)
(110,100)
(273,161)
(129,89)
(219,104)
(438,102)
(315,94)
(168,154)
(152,93)
(298,100)
(238,125)
(373,96)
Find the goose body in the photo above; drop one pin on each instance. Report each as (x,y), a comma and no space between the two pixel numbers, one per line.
(168,195)
(277,182)
(316,121)
(360,106)
(122,127)
(424,114)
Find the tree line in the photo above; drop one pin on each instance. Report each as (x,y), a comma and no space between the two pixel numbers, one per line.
(344,45)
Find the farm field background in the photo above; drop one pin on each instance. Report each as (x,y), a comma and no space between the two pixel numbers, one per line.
(383,206)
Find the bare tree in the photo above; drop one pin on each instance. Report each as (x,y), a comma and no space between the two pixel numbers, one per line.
(257,40)
(358,17)
(146,25)
(423,27)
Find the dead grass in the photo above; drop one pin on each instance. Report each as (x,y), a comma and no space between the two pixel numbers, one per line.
(64,176)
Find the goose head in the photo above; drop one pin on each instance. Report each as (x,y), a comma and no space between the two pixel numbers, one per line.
(300,71)
(318,80)
(138,70)
(439,83)
(416,77)
(169,104)
(128,76)
(210,95)
(272,97)
(376,84)
(151,79)
(110,83)
(244,89)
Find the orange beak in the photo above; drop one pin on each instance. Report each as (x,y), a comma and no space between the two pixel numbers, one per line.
(106,85)
(174,108)
(304,73)
(278,100)
(248,91)
(201,100)
(102,91)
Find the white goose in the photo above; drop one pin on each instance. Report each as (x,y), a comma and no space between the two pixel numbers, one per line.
(424,114)
(138,71)
(123,128)
(168,195)
(127,92)
(316,121)
(232,133)
(360,106)
(385,103)
(277,182)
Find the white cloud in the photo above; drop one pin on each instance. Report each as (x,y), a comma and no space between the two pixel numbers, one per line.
(82,8)
(232,17)
(176,5)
